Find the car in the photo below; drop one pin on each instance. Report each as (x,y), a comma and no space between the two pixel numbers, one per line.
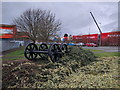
(91,44)
(71,44)
(79,44)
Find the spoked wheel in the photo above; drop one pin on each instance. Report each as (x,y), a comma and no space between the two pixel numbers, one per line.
(54,52)
(29,51)
(43,47)
(64,48)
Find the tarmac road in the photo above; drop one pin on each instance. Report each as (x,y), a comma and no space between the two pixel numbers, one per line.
(105,48)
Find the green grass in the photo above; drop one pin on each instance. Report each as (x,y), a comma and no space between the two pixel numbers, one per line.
(19,52)
(15,55)
(104,54)
(93,50)
(108,54)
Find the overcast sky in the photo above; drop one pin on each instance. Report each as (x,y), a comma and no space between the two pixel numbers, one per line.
(75,16)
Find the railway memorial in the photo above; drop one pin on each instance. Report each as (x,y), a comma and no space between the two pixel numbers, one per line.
(59,45)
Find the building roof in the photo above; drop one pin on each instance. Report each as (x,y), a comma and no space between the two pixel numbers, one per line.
(4,25)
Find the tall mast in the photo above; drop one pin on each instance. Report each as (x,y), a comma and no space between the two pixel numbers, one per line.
(100,39)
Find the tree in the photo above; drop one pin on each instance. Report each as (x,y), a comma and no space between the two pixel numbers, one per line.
(38,24)
(49,27)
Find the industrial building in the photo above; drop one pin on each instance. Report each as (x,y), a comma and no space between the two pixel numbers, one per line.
(107,39)
(10,39)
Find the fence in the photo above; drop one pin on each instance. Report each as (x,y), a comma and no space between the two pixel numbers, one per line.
(7,44)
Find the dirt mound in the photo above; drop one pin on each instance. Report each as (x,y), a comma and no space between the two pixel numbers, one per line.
(33,74)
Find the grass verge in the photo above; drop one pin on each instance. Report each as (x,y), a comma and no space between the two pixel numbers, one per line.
(19,52)
(93,50)
(15,55)
(108,54)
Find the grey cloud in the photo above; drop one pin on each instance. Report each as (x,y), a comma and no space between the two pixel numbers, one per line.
(75,17)
(112,26)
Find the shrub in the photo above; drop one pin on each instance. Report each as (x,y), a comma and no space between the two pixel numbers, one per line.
(35,75)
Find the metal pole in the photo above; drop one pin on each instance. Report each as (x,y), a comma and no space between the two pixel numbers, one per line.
(100,43)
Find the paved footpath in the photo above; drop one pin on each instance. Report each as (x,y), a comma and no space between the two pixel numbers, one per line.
(1,55)
(105,49)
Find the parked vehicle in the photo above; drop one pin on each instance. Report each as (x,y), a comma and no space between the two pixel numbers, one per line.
(79,44)
(17,43)
(91,44)
(71,44)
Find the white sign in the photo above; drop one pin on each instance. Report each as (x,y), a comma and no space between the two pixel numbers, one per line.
(6,31)
(91,37)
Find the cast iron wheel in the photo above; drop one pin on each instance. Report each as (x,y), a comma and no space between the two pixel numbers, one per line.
(54,52)
(43,47)
(64,48)
(28,53)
